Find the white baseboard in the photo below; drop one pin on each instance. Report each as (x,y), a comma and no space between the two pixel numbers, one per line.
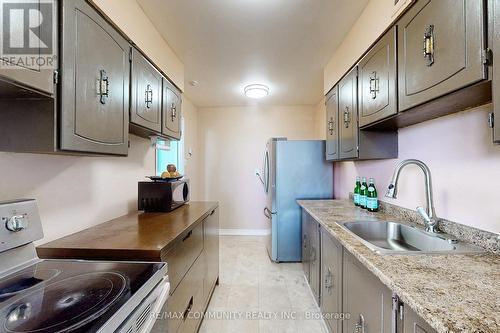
(244,232)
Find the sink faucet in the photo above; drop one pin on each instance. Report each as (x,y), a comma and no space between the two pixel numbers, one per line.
(429,215)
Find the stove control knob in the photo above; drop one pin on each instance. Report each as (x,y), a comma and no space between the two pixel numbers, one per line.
(16,223)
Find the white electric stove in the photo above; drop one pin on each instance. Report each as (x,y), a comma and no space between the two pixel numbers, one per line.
(48,296)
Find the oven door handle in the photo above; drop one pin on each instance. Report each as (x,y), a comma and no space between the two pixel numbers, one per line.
(164,287)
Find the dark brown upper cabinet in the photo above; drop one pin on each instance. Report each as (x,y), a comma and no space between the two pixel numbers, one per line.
(441,45)
(146,94)
(348,115)
(19,79)
(95,83)
(171,111)
(332,125)
(378,81)
(347,141)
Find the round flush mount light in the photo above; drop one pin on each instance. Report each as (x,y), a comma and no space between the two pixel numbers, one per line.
(256,91)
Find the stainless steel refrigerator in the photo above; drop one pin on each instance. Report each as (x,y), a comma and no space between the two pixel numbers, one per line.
(292,170)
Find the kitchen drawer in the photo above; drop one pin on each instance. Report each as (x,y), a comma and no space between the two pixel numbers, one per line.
(182,255)
(377,81)
(187,298)
(453,31)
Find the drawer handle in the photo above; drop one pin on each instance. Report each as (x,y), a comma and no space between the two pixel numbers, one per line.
(330,126)
(103,86)
(374,85)
(149,96)
(428,45)
(188,309)
(188,235)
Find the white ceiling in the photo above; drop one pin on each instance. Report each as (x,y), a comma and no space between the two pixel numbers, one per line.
(227,44)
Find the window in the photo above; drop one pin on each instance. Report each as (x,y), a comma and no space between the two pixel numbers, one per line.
(171,152)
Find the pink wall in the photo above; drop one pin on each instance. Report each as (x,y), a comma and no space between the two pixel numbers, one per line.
(465,167)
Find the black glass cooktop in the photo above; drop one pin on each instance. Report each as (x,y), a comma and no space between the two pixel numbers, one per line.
(68,296)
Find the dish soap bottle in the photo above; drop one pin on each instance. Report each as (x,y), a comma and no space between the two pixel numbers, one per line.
(363,191)
(356,191)
(371,197)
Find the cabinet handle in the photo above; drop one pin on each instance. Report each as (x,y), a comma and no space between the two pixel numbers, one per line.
(428,45)
(103,86)
(149,96)
(329,280)
(174,111)
(347,117)
(313,254)
(374,84)
(188,309)
(330,125)
(188,235)
(360,325)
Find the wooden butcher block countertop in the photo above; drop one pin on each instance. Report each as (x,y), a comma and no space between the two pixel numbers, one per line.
(136,235)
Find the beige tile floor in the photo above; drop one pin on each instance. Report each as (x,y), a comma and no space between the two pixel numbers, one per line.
(258,296)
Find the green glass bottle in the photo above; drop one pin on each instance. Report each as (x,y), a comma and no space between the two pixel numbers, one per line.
(371,196)
(356,191)
(363,190)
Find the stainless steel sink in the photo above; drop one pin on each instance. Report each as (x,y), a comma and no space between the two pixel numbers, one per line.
(398,238)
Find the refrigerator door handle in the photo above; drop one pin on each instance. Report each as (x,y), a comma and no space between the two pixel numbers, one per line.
(268,213)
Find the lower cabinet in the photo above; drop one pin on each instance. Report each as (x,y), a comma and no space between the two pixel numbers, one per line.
(365,298)
(311,262)
(193,269)
(211,252)
(331,281)
(352,299)
(185,303)
(306,255)
(414,324)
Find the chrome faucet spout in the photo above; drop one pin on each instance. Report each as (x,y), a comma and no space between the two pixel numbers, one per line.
(430,220)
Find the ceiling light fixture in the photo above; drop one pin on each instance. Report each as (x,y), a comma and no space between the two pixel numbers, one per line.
(256,91)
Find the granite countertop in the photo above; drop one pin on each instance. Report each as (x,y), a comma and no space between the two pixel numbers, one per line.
(453,293)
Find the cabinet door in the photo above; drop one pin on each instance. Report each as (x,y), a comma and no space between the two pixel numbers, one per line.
(305,246)
(440,48)
(413,323)
(95,83)
(365,298)
(348,115)
(331,282)
(42,43)
(146,93)
(211,242)
(377,81)
(332,125)
(315,274)
(171,110)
